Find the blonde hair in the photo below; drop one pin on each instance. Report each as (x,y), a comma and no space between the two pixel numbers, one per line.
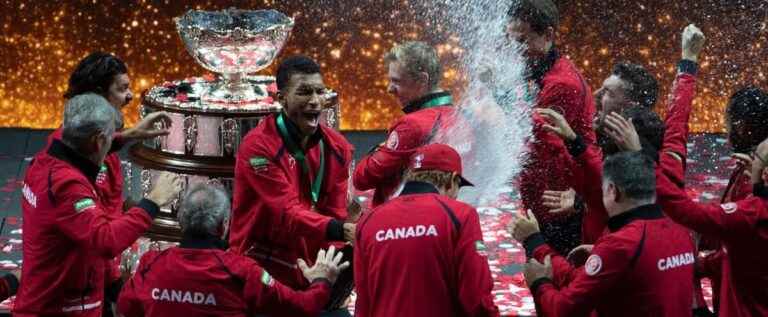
(438,178)
(417,57)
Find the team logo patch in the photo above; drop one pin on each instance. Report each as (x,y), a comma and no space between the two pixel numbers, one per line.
(84,204)
(593,265)
(267,279)
(417,161)
(393,140)
(259,163)
(729,208)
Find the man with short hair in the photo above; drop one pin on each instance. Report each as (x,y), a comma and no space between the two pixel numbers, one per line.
(422,253)
(291,174)
(199,278)
(620,95)
(740,227)
(644,267)
(746,117)
(561,87)
(414,73)
(107,75)
(68,232)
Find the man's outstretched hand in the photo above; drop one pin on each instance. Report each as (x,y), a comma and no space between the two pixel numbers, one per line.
(557,124)
(523,226)
(146,128)
(328,266)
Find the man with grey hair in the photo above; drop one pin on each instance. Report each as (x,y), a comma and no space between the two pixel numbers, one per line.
(200,278)
(414,79)
(643,267)
(68,234)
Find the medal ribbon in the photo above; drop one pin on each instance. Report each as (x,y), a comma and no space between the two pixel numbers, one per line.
(299,155)
(439,101)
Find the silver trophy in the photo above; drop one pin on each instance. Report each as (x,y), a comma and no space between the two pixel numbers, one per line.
(234,43)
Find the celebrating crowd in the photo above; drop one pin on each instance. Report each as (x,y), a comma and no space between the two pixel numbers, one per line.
(608,228)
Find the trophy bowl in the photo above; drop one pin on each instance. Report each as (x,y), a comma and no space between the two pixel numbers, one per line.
(234,43)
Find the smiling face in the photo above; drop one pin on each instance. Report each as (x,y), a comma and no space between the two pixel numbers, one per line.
(119,92)
(302,100)
(405,88)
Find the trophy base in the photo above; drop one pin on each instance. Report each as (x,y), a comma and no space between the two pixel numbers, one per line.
(236,89)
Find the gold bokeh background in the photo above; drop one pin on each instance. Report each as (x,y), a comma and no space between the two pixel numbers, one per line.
(41,41)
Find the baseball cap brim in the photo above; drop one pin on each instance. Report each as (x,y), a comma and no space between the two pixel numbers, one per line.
(464,182)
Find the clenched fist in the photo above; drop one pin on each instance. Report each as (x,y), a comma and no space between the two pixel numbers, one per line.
(693,42)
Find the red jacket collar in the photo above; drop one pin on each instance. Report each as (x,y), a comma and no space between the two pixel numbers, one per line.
(63,152)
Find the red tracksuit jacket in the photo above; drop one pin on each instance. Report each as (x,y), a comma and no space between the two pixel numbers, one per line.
(383,169)
(644,267)
(561,88)
(740,226)
(420,254)
(109,186)
(273,219)
(68,235)
(199,279)
(588,174)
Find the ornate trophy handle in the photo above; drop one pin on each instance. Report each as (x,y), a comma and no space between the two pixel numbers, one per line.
(332,109)
(146,182)
(230,135)
(190,133)
(174,206)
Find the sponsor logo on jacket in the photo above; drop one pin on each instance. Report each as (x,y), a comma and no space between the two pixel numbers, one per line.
(182,296)
(675,261)
(406,232)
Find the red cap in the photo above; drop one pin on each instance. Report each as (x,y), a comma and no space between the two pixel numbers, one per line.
(438,157)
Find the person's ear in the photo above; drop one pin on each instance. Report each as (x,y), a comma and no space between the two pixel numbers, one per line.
(616,192)
(94,143)
(551,34)
(424,79)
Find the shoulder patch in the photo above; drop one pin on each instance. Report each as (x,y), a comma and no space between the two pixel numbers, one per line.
(258,163)
(266,279)
(593,265)
(393,140)
(84,204)
(729,208)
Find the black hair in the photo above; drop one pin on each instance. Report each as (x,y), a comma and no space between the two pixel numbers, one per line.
(747,115)
(649,126)
(643,87)
(633,173)
(95,73)
(297,64)
(540,14)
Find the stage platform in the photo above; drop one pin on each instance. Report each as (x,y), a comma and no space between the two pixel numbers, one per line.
(708,169)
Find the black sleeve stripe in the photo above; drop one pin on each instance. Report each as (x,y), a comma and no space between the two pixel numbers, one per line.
(638,251)
(279,153)
(51,196)
(451,214)
(238,280)
(433,132)
(149,265)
